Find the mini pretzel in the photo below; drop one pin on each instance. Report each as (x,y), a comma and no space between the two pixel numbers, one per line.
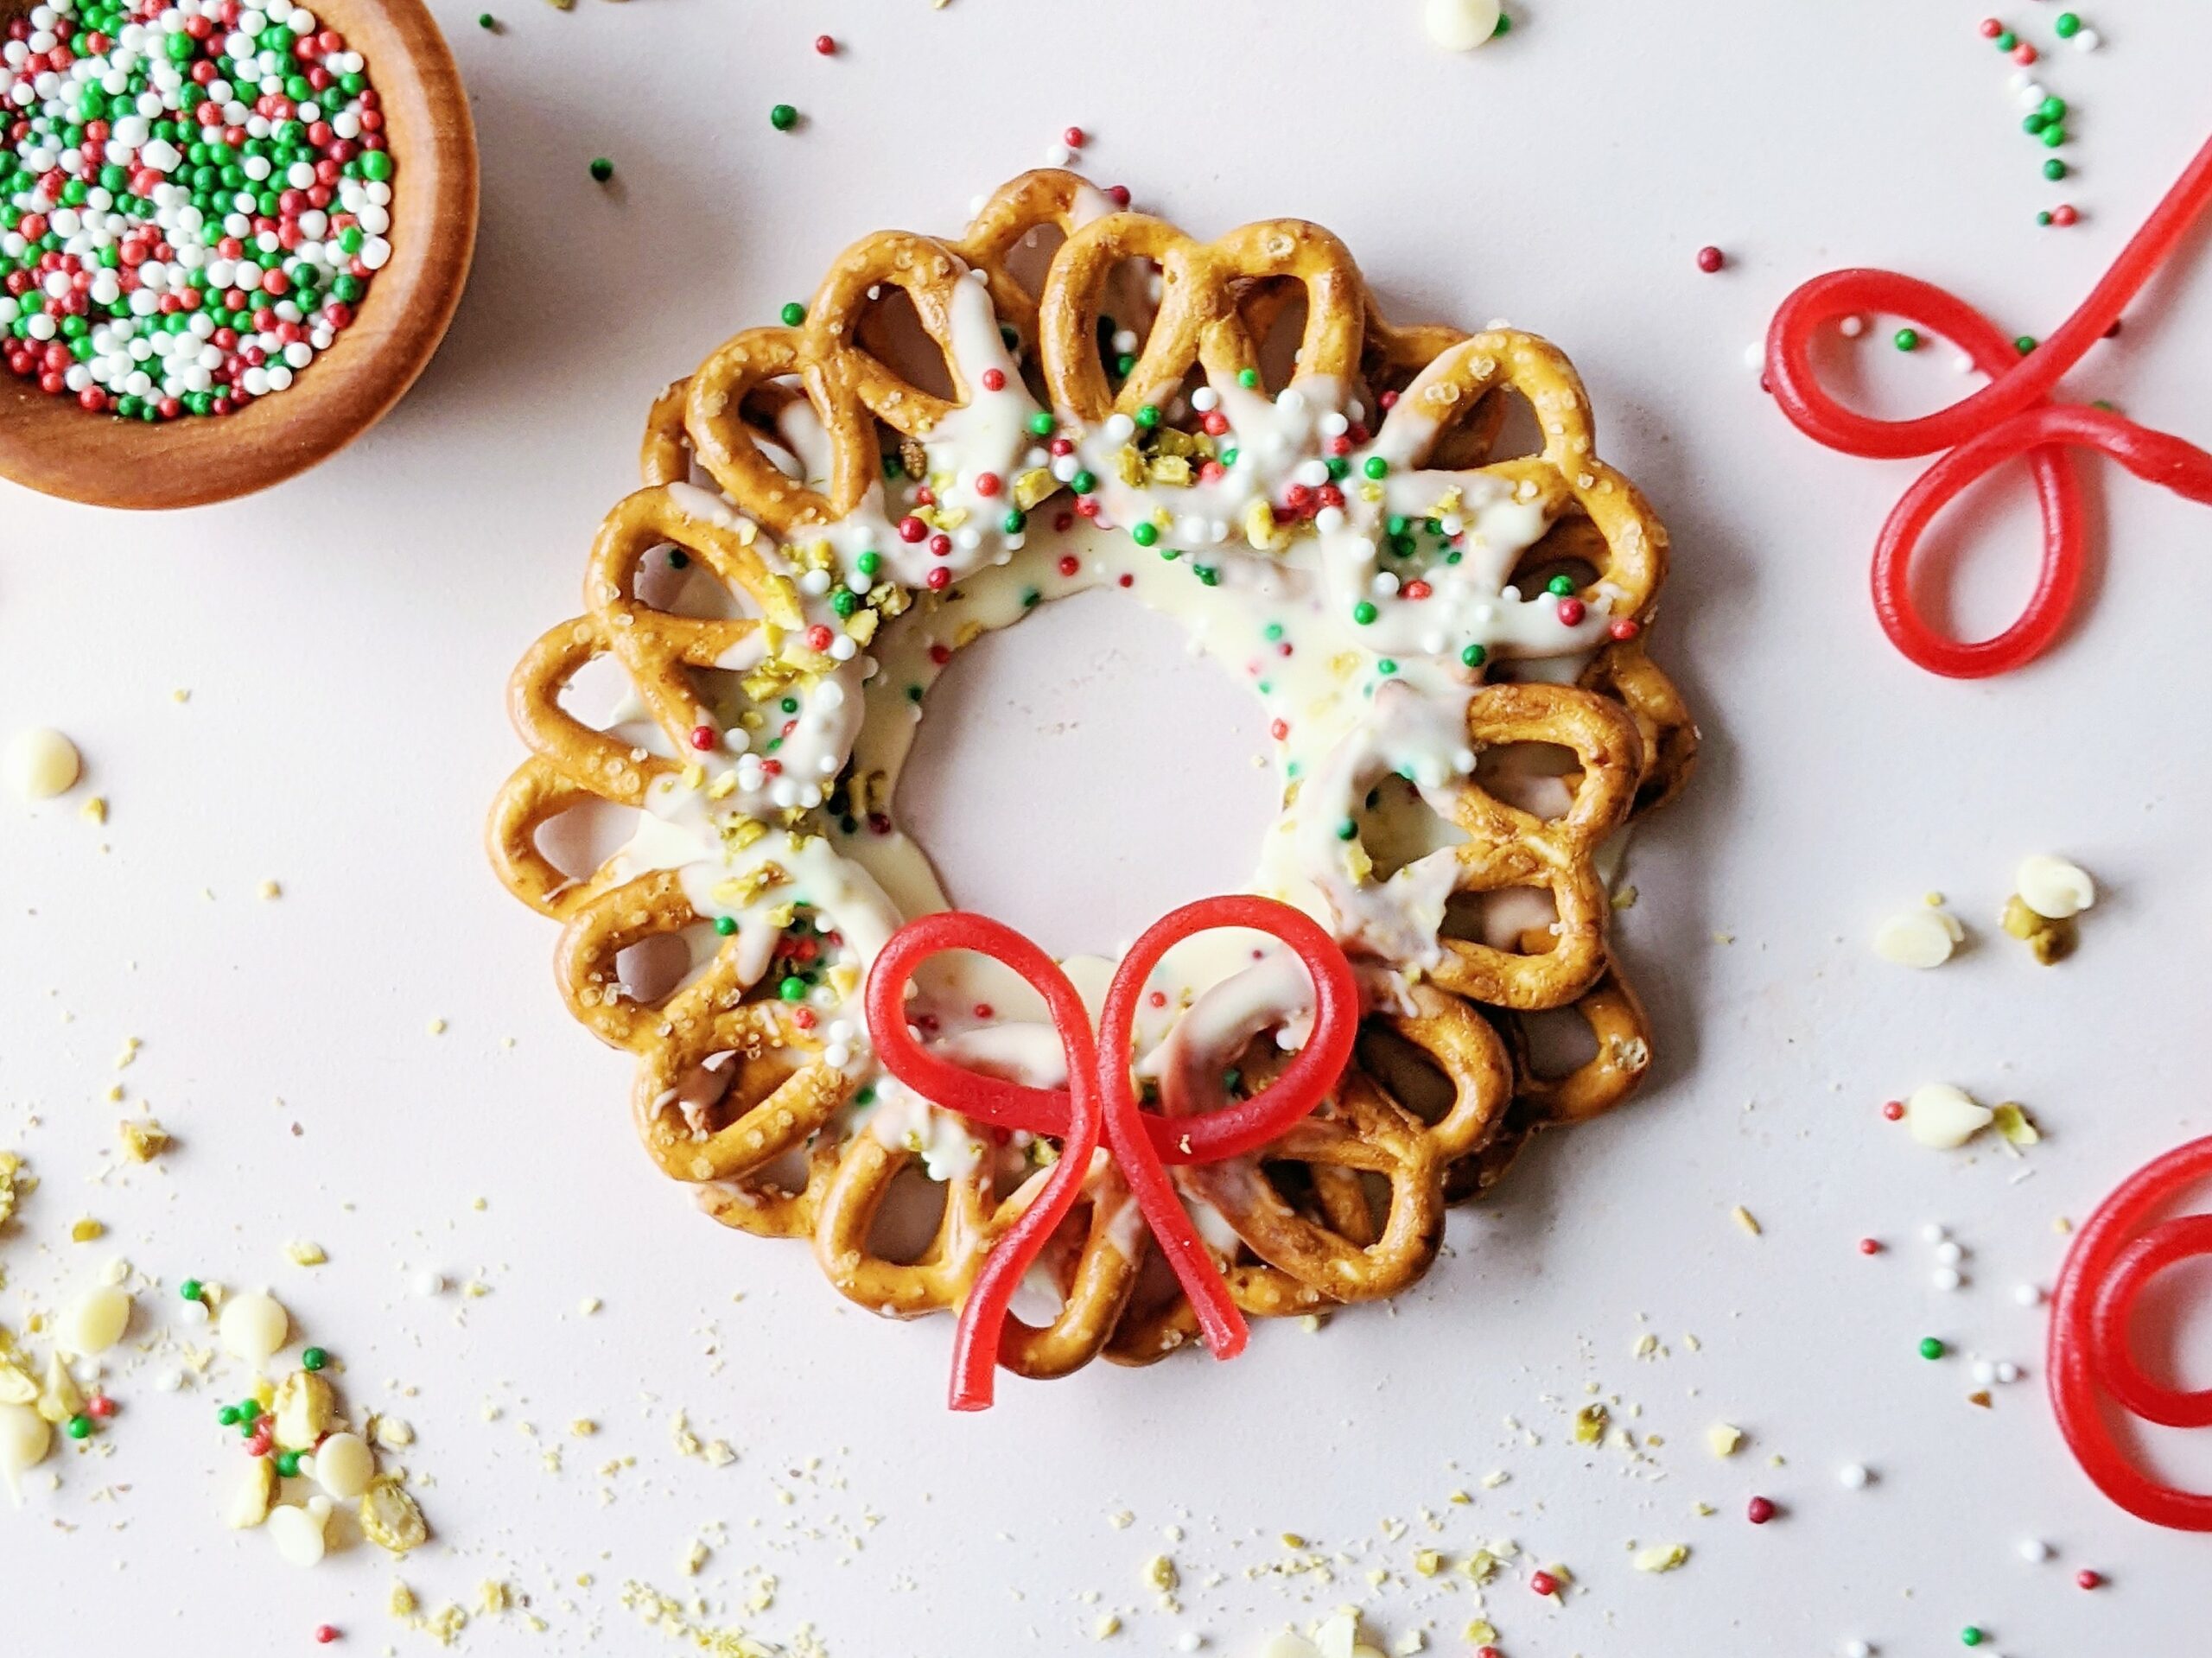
(1507,847)
(746,1096)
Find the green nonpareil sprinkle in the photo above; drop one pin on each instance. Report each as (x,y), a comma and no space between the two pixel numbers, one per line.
(602,169)
(783,117)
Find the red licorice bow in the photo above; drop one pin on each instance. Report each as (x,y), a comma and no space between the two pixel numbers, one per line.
(1101,1102)
(2012,416)
(2113,1258)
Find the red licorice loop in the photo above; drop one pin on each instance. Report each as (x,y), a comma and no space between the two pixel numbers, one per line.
(2114,1260)
(2011,417)
(1100,1100)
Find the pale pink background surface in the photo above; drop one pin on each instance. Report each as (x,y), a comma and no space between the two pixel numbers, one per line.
(346,641)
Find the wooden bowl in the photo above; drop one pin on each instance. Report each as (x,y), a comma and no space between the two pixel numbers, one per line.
(54,446)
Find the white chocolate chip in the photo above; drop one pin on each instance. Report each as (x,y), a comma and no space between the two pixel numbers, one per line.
(1460,25)
(96,1321)
(25,1438)
(1922,938)
(297,1533)
(43,763)
(344,1465)
(1943,1117)
(254,1325)
(2054,888)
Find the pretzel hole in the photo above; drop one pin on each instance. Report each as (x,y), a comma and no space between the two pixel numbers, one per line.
(580,839)
(1030,259)
(1518,920)
(656,967)
(1520,434)
(785,1175)
(788,430)
(905,1227)
(1282,311)
(1573,548)
(677,581)
(1129,303)
(892,329)
(1541,779)
(1406,1071)
(1397,826)
(1559,1042)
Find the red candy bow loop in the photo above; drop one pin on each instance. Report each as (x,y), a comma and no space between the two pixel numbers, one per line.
(1071,1115)
(2011,417)
(1240,1129)
(2113,1260)
(1102,1099)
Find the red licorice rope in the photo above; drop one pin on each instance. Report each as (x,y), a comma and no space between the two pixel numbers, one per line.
(2012,416)
(2113,1258)
(1101,1102)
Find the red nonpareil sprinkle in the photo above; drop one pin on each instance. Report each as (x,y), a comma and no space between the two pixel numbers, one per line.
(772,768)
(1068,565)
(1118,195)
(1216,423)
(1086,506)
(1571,612)
(938,579)
(1991,29)
(825,44)
(2088,1579)
(1064,521)
(983,1010)
(1870,1246)
(2025,53)
(1893,1109)
(819,638)
(1389,400)
(1158,999)
(1710,259)
(2064,215)
(1542,1583)
(1073,138)
(940,654)
(1759,1510)
(1279,729)
(99,1405)
(1625,629)
(912,529)
(987,484)
(702,738)
(325,1634)
(804,1018)
(1488,1652)
(941,545)
(1415,589)
(1127,581)
(994,379)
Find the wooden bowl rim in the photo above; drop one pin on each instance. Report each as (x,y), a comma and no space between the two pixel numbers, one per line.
(49,444)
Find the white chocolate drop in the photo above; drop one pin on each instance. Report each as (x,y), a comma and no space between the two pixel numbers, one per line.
(2054,888)
(297,1533)
(42,763)
(1919,938)
(1461,25)
(1943,1117)
(96,1320)
(254,1325)
(344,1465)
(25,1438)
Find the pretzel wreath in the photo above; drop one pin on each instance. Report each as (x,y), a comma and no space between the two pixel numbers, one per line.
(956,431)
